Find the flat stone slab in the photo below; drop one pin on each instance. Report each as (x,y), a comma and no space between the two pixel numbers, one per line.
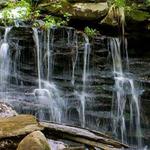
(18,125)
(87,11)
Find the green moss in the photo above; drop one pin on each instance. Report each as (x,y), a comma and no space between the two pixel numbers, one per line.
(137,15)
(18,125)
(147,2)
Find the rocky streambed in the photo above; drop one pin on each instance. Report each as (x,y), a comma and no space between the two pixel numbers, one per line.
(22,132)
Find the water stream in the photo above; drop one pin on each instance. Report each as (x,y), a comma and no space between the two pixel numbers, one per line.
(47,93)
(4,63)
(125,93)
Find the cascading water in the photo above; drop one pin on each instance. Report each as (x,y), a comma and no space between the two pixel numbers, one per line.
(4,63)
(125,92)
(50,103)
(47,92)
(83,94)
(36,38)
(74,58)
(50,41)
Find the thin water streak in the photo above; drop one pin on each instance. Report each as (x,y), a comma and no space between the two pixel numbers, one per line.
(4,62)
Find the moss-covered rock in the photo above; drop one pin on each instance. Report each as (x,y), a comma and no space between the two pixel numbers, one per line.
(18,125)
(137,15)
(113,16)
(134,13)
(34,141)
(86,11)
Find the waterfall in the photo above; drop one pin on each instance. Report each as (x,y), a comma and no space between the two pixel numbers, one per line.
(4,62)
(83,95)
(74,58)
(125,92)
(50,41)
(47,93)
(36,39)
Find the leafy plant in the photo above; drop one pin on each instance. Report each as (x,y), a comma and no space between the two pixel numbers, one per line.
(67,16)
(20,10)
(53,21)
(90,32)
(120,3)
(147,2)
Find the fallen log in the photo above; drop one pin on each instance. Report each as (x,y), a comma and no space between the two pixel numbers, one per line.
(84,136)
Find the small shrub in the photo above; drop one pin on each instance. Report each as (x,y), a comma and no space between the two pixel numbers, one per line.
(90,32)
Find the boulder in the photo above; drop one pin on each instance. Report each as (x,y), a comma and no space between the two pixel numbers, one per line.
(58,145)
(34,141)
(18,125)
(6,110)
(84,11)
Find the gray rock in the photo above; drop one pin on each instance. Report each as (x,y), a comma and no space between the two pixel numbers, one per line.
(6,110)
(56,145)
(85,11)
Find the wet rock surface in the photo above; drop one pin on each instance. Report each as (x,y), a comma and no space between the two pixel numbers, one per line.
(58,145)
(6,110)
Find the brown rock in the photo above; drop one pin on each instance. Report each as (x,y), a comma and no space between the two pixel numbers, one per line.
(18,125)
(85,11)
(34,141)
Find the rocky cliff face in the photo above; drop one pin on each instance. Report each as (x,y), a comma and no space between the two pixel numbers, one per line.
(99,80)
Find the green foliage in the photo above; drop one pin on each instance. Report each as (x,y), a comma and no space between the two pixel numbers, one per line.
(147,2)
(67,16)
(57,5)
(118,3)
(23,10)
(90,32)
(20,10)
(51,21)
